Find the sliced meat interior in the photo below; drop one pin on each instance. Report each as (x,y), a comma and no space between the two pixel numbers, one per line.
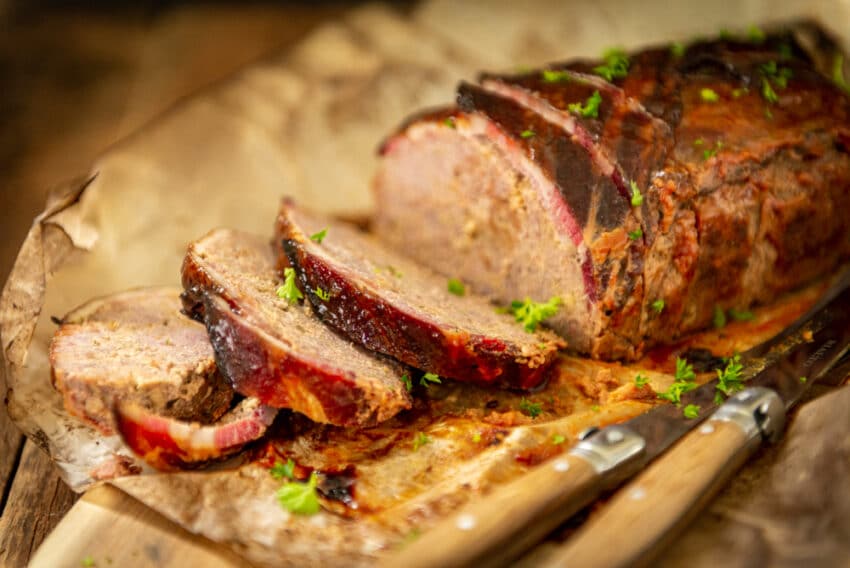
(169,444)
(648,191)
(280,352)
(392,305)
(136,347)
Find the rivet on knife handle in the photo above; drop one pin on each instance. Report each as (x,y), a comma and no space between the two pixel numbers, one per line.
(647,514)
(498,527)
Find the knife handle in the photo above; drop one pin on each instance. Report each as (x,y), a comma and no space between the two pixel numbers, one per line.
(648,513)
(495,529)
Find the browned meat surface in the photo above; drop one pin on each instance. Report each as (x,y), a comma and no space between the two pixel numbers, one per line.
(279,352)
(739,151)
(136,347)
(169,444)
(392,305)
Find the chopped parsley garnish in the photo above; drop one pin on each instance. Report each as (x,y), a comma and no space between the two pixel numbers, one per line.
(636,234)
(838,73)
(773,75)
(616,65)
(532,409)
(709,95)
(691,411)
(755,34)
(527,133)
(658,306)
(282,470)
(741,315)
(719,319)
(420,440)
(699,142)
(641,381)
(767,91)
(456,287)
(637,196)
(729,379)
(555,76)
(677,49)
(289,291)
(319,237)
(450,122)
(590,108)
(739,92)
(725,34)
(596,408)
(408,384)
(784,50)
(711,152)
(429,378)
(530,314)
(803,380)
(558,439)
(476,437)
(683,382)
(300,498)
(324,296)
(87,562)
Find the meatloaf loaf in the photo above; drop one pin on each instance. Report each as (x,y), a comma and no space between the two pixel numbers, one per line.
(647,191)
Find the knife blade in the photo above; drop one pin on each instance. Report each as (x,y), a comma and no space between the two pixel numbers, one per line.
(665,497)
(496,529)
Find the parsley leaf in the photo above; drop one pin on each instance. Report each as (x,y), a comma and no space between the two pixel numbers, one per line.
(636,234)
(709,95)
(428,378)
(408,384)
(289,291)
(300,498)
(555,76)
(658,305)
(719,319)
(450,122)
(729,379)
(87,562)
(677,49)
(420,440)
(530,314)
(616,65)
(558,439)
(456,287)
(590,109)
(476,438)
(637,197)
(739,92)
(324,296)
(691,411)
(755,34)
(682,383)
(767,91)
(641,381)
(596,408)
(699,142)
(838,73)
(741,315)
(320,236)
(803,380)
(282,470)
(711,152)
(771,72)
(684,370)
(527,133)
(532,409)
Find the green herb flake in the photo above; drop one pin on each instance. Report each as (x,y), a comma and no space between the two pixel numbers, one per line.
(555,76)
(709,95)
(289,291)
(636,234)
(616,65)
(699,142)
(420,440)
(300,498)
(282,470)
(691,411)
(683,382)
(711,152)
(590,108)
(637,196)
(725,34)
(729,380)
(532,409)
(87,562)
(803,380)
(530,314)
(596,408)
(838,73)
(429,378)
(677,49)
(527,133)
(641,381)
(558,439)
(408,384)
(476,438)
(324,296)
(658,306)
(741,315)
(319,237)
(755,34)
(456,287)
(450,122)
(784,50)
(739,92)
(719,319)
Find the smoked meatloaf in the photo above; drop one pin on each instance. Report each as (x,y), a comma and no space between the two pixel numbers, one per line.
(648,191)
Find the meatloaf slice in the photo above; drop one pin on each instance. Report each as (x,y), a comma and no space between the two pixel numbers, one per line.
(703,181)
(136,347)
(281,353)
(392,305)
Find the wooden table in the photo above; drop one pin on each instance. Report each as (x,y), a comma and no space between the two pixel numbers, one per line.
(73,82)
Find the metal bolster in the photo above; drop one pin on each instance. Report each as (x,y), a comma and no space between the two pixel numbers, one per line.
(758,411)
(609,450)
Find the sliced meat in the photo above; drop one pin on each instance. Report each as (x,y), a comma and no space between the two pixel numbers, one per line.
(281,353)
(168,444)
(739,151)
(136,347)
(392,305)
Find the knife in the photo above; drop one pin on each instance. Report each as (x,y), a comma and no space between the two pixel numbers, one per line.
(494,530)
(663,499)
